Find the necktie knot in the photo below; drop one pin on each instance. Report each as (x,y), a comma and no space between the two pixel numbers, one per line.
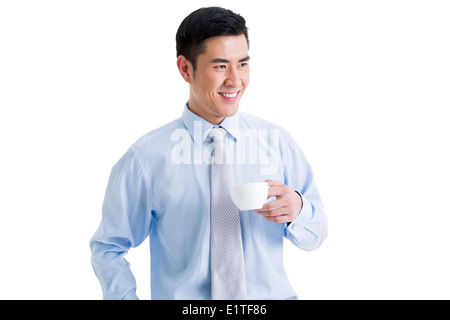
(219,154)
(217,134)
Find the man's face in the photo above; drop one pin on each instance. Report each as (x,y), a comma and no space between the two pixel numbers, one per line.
(220,79)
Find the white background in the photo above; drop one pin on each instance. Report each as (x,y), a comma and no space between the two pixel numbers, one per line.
(363,86)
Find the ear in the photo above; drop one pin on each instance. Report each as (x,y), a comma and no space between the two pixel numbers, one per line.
(185,68)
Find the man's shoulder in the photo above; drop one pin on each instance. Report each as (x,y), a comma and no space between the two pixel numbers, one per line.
(252,121)
(157,137)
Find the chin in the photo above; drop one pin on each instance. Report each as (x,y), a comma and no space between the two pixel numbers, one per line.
(230,111)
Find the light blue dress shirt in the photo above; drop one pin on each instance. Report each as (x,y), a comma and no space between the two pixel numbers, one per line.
(161,188)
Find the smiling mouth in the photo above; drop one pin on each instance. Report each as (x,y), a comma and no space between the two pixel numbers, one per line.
(229,96)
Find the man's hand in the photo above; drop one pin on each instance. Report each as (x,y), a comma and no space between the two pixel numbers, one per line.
(287,205)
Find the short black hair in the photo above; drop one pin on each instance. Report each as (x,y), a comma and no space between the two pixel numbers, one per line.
(205,23)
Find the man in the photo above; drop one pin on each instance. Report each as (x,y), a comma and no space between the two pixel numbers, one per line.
(170,186)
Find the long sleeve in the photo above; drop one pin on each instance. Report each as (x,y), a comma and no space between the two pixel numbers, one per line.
(126,218)
(310,228)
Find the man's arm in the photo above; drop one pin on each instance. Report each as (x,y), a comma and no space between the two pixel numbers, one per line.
(298,203)
(125,223)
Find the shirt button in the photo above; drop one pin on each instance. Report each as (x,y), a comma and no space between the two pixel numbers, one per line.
(293,226)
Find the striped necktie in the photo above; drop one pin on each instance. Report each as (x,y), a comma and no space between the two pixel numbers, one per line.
(227,259)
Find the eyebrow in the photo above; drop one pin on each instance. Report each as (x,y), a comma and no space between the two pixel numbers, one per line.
(221,60)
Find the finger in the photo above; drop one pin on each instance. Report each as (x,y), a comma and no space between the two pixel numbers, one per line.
(274,183)
(279,219)
(275,192)
(272,205)
(275,212)
(279,191)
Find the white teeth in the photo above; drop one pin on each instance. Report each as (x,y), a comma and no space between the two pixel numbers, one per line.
(229,95)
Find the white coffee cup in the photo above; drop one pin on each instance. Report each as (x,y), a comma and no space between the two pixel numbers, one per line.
(249,196)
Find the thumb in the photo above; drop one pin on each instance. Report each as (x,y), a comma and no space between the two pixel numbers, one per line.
(274,183)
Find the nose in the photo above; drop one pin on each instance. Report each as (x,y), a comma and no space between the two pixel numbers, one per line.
(233,79)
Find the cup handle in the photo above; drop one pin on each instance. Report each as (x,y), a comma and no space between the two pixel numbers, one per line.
(270,200)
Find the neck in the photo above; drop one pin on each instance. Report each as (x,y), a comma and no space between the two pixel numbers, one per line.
(214,120)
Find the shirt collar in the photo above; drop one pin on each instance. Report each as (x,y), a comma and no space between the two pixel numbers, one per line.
(199,128)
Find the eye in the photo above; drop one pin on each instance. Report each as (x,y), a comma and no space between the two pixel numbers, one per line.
(222,66)
(243,64)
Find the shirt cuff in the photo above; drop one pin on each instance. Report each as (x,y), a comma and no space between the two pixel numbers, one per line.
(130,295)
(295,229)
